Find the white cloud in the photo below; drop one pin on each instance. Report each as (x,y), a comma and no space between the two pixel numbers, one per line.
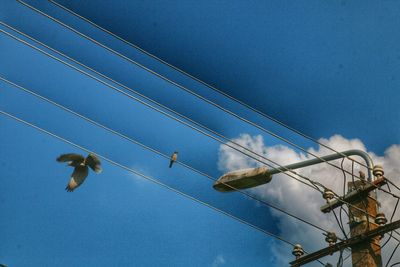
(218,261)
(302,200)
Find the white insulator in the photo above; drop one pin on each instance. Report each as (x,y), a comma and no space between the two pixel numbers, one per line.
(328,194)
(378,171)
(331,238)
(298,251)
(380,219)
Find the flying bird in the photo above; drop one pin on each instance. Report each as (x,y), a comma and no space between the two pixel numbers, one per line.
(81,169)
(174,157)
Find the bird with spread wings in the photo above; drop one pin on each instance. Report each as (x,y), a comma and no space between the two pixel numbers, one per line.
(81,168)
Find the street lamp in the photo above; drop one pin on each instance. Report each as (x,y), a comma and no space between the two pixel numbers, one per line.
(248,178)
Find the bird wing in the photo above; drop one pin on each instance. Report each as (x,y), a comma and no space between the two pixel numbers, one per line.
(94,163)
(77,178)
(71,157)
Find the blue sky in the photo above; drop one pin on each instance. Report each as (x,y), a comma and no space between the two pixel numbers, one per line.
(313,76)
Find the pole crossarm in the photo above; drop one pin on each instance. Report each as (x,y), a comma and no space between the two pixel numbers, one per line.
(362,190)
(353,241)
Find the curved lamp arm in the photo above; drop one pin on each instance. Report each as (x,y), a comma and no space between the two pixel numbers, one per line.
(243,179)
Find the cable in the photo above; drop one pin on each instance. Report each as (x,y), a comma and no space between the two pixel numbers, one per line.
(389,181)
(340,225)
(349,158)
(194,94)
(204,83)
(155,151)
(340,260)
(322,229)
(347,257)
(148,99)
(149,178)
(312,184)
(391,256)
(391,219)
(136,172)
(394,210)
(341,207)
(180,86)
(189,91)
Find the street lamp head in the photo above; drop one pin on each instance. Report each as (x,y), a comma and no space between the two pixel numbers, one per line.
(242,179)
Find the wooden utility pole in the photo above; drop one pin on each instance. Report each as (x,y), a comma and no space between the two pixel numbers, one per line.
(368,253)
(366,225)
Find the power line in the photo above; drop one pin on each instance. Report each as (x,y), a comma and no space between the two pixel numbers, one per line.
(167,114)
(204,83)
(391,256)
(184,88)
(156,151)
(148,178)
(332,165)
(312,184)
(208,101)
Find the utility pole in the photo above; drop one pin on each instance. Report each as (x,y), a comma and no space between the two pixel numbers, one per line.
(367,226)
(368,253)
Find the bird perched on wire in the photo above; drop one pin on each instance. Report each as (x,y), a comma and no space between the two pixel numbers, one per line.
(174,157)
(81,169)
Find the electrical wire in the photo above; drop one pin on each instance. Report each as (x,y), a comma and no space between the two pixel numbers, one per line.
(340,260)
(204,83)
(394,210)
(296,132)
(347,257)
(160,153)
(391,219)
(181,87)
(387,241)
(389,181)
(391,256)
(312,184)
(149,179)
(341,222)
(189,91)
(156,151)
(323,230)
(341,207)
(340,225)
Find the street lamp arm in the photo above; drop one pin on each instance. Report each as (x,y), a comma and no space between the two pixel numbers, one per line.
(247,178)
(302,164)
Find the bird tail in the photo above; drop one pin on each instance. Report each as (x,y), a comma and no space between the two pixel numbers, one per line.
(69,189)
(170,163)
